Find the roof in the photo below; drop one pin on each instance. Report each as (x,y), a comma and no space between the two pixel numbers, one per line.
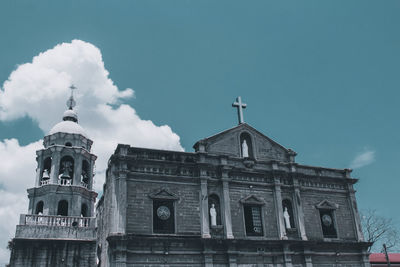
(68,127)
(381,258)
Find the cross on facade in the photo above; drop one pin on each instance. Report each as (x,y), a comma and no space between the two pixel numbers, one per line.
(71,102)
(240,106)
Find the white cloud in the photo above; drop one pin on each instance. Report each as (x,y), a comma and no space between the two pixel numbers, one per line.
(363,159)
(39,90)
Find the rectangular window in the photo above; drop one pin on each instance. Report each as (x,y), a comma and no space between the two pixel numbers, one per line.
(328,223)
(253,220)
(163,216)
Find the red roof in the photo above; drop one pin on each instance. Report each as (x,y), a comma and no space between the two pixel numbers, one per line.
(380,258)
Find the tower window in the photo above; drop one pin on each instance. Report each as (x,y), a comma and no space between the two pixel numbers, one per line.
(85,172)
(84,210)
(39,207)
(68,144)
(66,170)
(62,209)
(46,169)
(253,220)
(163,216)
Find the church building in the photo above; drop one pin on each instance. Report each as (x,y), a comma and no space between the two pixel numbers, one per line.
(239,199)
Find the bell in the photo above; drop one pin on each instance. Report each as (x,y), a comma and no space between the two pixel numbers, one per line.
(65,174)
(46,174)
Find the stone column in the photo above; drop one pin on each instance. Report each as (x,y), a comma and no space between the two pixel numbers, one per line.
(227,206)
(77,169)
(278,207)
(299,208)
(205,228)
(55,166)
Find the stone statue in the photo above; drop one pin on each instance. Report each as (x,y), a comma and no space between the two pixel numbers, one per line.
(287,218)
(245,149)
(213,214)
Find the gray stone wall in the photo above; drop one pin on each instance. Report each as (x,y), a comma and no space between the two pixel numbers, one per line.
(60,253)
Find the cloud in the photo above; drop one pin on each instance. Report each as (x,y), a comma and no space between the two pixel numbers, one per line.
(363,159)
(39,89)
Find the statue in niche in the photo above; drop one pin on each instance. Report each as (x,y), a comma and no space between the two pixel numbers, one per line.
(213,215)
(287,218)
(245,149)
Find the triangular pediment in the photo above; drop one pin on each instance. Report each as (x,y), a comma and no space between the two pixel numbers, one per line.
(229,143)
(252,199)
(163,194)
(326,204)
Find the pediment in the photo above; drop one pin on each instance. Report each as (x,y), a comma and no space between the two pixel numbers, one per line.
(163,193)
(229,143)
(253,200)
(326,204)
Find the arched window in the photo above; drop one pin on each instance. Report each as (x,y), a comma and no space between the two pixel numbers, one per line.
(46,169)
(213,202)
(288,214)
(84,210)
(68,144)
(62,209)
(39,208)
(85,172)
(246,146)
(66,173)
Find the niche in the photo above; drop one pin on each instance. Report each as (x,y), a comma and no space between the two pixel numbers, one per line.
(246,146)
(213,199)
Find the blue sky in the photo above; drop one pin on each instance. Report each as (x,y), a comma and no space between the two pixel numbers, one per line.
(320,77)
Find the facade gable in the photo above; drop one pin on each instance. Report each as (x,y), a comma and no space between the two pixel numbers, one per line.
(260,147)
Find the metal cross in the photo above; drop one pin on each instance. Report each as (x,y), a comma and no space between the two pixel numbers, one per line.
(240,106)
(71,102)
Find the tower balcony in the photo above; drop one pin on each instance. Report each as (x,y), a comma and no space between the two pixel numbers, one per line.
(65,182)
(56,227)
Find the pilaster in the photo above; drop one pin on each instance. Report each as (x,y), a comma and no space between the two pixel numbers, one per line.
(299,209)
(205,227)
(354,211)
(39,169)
(287,257)
(55,166)
(78,169)
(227,208)
(279,209)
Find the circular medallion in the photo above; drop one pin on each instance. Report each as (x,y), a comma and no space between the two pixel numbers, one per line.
(163,212)
(327,220)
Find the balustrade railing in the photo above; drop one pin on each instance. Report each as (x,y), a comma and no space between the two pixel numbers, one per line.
(65,221)
(65,181)
(44,182)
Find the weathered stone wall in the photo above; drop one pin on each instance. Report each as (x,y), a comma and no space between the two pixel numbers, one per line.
(140,206)
(239,192)
(59,253)
(344,218)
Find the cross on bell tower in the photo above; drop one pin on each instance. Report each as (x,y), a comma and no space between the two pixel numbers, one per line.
(240,106)
(71,102)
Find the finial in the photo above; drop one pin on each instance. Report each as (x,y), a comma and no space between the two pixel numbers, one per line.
(71,102)
(240,106)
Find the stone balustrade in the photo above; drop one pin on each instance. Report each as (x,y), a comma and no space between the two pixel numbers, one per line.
(63,221)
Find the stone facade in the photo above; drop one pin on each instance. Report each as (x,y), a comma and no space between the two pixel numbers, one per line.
(155,207)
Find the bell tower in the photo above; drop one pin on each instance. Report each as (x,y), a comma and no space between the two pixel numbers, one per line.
(61,204)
